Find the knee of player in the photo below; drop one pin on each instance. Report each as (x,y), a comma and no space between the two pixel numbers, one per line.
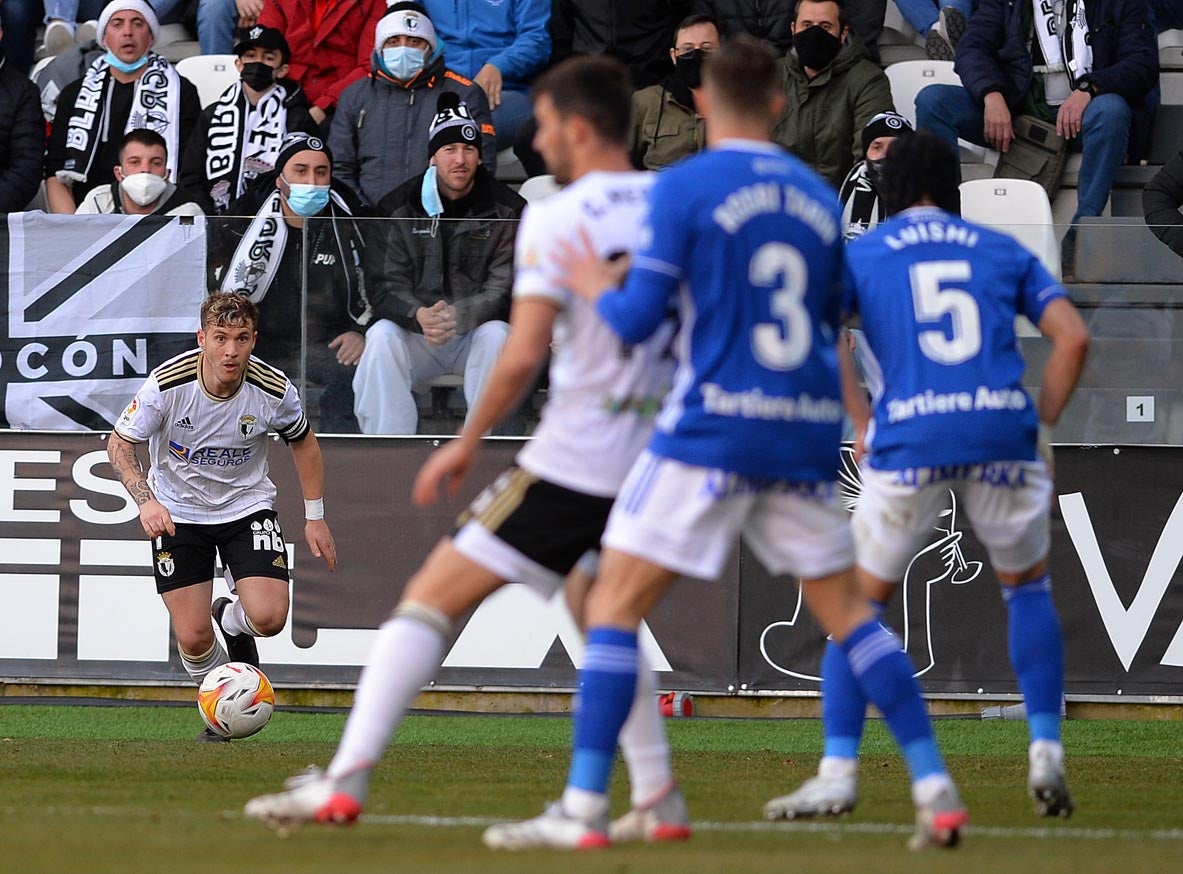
(192,637)
(269,619)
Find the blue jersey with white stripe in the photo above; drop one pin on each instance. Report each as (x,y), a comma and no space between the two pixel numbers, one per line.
(748,241)
(938,298)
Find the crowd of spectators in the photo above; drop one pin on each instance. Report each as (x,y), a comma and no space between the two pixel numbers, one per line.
(349,110)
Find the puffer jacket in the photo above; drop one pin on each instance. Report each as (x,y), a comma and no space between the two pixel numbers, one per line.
(22,139)
(769,20)
(824,118)
(381,130)
(420,260)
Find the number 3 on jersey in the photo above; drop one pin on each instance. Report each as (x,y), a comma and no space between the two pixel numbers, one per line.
(931,302)
(783,345)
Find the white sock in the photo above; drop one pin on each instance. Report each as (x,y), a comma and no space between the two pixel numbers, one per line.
(405,657)
(836,768)
(197,666)
(643,741)
(1055,747)
(235,621)
(584,804)
(926,789)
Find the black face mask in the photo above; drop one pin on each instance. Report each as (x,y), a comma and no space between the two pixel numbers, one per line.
(258,75)
(816,48)
(875,172)
(689,67)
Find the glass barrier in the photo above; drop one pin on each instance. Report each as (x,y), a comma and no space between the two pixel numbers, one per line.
(81,335)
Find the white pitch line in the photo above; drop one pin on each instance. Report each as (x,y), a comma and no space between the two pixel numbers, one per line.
(823,827)
(805,827)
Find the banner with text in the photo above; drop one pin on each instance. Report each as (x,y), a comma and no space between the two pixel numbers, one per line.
(80,603)
(90,305)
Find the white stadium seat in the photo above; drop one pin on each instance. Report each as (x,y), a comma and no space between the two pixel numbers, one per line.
(210,74)
(538,187)
(1018,207)
(909,78)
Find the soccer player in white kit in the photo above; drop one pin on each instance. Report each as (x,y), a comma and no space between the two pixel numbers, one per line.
(206,415)
(541,519)
(746,239)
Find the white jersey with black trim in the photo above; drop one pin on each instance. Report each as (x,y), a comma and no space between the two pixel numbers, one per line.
(603,395)
(209,454)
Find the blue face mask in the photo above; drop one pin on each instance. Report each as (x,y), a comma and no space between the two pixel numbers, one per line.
(403,62)
(307,200)
(123,66)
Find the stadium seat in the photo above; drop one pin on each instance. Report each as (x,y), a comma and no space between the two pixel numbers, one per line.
(893,24)
(909,78)
(509,168)
(1170,50)
(538,187)
(210,74)
(997,203)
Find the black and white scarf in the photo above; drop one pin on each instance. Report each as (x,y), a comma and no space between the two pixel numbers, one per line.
(243,141)
(257,258)
(861,209)
(1063,33)
(156,105)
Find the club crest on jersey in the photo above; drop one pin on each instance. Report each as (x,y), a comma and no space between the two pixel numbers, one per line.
(246,425)
(165,564)
(176,450)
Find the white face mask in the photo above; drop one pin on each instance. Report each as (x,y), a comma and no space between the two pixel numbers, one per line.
(143,188)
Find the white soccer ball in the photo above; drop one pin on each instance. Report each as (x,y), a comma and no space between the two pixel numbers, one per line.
(236,700)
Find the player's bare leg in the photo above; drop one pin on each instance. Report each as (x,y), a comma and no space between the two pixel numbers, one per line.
(407,653)
(200,651)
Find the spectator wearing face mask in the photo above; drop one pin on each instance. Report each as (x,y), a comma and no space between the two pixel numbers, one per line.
(141,185)
(237,138)
(859,194)
(127,88)
(380,133)
(833,90)
(300,259)
(666,125)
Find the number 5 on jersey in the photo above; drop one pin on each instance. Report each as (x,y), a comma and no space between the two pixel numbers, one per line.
(932,301)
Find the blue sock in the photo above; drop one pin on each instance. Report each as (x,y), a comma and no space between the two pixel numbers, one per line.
(884,672)
(607,684)
(844,706)
(1036,648)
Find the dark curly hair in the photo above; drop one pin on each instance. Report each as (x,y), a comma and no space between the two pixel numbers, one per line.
(919,166)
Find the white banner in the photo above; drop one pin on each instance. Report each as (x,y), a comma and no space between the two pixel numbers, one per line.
(91,304)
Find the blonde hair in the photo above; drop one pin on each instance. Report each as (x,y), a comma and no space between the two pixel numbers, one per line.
(228,309)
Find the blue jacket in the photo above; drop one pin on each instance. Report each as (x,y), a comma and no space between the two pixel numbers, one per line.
(509,34)
(993,54)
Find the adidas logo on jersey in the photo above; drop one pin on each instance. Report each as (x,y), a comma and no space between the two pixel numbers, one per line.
(280,563)
(184,424)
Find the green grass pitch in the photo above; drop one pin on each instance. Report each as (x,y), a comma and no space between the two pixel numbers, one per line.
(88,790)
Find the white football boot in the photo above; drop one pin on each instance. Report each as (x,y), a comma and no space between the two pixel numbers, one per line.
(555,829)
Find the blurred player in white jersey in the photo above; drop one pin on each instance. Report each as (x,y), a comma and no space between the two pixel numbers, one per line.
(747,241)
(542,519)
(938,297)
(206,415)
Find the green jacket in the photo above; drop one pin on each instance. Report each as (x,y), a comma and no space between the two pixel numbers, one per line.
(824,118)
(665,127)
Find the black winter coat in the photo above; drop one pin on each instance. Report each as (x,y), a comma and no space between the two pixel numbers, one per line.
(769,20)
(419,260)
(22,139)
(639,32)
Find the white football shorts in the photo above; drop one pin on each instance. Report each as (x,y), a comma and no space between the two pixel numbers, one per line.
(687,519)
(1006,502)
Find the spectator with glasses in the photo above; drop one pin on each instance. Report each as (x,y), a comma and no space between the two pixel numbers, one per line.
(666,124)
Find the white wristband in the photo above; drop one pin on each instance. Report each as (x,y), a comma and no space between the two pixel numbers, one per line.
(314,510)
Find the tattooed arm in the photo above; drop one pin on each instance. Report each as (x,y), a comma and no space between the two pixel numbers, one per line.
(126,464)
